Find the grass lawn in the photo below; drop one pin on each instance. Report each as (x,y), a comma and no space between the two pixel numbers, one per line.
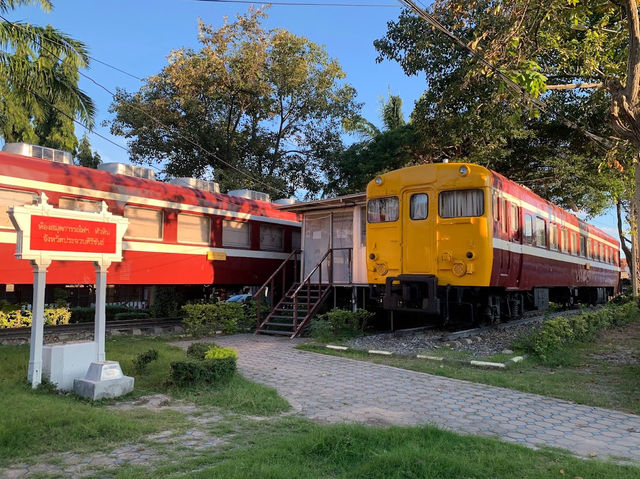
(37,422)
(604,373)
(297,448)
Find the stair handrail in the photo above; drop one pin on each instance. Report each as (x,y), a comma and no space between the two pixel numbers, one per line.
(269,282)
(307,280)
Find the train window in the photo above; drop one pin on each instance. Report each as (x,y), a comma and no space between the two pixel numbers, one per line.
(143,223)
(565,240)
(504,215)
(460,203)
(77,204)
(13,198)
(194,229)
(583,246)
(528,229)
(574,243)
(514,219)
(496,206)
(553,236)
(271,238)
(236,234)
(382,210)
(419,206)
(541,232)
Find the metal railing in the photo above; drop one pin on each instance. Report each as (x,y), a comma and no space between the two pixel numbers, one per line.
(282,270)
(307,282)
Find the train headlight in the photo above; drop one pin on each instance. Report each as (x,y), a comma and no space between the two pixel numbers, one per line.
(463,170)
(378,180)
(459,269)
(382,269)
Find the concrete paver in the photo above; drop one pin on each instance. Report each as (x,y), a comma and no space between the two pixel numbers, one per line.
(334,389)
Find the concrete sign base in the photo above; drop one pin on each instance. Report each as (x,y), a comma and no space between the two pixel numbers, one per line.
(103,380)
(62,363)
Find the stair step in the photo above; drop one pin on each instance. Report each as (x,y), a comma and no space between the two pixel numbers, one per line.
(281,316)
(272,331)
(289,325)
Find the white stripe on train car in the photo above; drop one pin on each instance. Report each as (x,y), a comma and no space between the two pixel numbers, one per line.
(10,181)
(547,254)
(150,247)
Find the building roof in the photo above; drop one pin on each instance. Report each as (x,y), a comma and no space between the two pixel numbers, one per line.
(346,201)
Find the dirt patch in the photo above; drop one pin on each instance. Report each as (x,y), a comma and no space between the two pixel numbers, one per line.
(620,346)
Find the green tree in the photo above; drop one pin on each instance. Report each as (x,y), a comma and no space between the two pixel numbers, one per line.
(40,97)
(267,102)
(395,146)
(84,156)
(468,113)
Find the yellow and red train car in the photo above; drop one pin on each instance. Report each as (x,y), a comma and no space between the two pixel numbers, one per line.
(458,236)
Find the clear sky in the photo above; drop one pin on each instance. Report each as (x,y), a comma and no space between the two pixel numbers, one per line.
(137,35)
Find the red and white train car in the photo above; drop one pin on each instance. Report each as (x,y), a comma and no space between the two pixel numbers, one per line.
(177,235)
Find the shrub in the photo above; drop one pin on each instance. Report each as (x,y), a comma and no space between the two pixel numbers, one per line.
(248,322)
(21,319)
(212,371)
(143,359)
(221,353)
(198,350)
(340,324)
(207,319)
(131,315)
(546,341)
(166,302)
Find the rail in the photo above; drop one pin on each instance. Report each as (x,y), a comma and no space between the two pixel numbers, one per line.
(320,290)
(271,282)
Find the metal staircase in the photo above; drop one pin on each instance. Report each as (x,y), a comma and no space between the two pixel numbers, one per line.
(300,302)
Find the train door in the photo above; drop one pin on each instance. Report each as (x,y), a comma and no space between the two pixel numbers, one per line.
(515,239)
(419,232)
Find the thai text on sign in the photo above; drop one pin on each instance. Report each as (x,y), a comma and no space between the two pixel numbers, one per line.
(63,234)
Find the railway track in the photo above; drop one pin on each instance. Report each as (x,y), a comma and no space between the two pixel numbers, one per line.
(65,331)
(532,317)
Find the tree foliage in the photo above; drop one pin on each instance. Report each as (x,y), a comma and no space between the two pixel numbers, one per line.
(468,114)
(266,102)
(40,97)
(84,156)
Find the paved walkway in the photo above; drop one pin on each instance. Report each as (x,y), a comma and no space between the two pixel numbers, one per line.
(333,389)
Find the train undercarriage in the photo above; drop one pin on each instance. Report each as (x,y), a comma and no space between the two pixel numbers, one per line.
(478,305)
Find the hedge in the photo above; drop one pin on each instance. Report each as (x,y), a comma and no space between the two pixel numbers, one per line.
(19,318)
(209,371)
(207,319)
(558,332)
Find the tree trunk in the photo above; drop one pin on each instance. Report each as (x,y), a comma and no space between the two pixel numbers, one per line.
(634,268)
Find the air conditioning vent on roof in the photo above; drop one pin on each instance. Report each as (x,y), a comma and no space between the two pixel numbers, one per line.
(205,185)
(250,194)
(35,151)
(129,170)
(286,201)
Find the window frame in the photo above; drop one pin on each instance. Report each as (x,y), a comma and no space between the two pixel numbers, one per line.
(208,242)
(5,213)
(236,246)
(390,197)
(280,229)
(445,192)
(145,238)
(538,221)
(411,207)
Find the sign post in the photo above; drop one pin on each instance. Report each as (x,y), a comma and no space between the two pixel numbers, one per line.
(47,234)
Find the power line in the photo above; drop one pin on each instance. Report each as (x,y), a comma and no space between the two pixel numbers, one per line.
(145,113)
(306,4)
(540,104)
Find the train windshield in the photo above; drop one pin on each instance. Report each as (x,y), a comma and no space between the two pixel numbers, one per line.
(458,203)
(381,210)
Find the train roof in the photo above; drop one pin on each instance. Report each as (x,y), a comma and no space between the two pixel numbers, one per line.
(94,181)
